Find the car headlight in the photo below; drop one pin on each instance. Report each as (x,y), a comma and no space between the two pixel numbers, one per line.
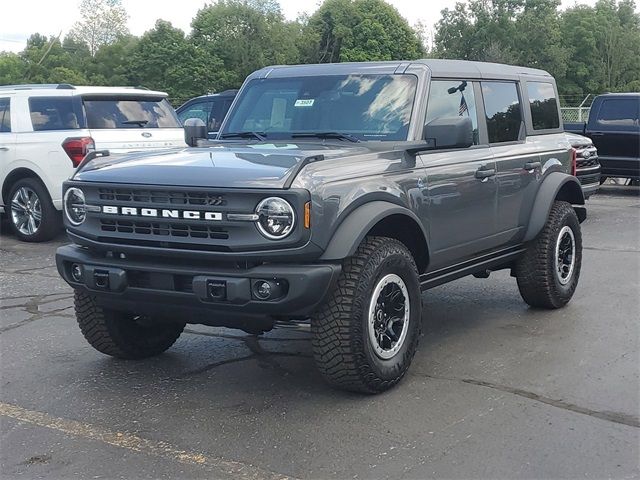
(74,206)
(276,218)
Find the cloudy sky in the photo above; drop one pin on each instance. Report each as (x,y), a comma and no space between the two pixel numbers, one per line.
(20,18)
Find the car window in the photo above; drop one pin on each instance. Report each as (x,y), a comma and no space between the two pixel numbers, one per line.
(368,107)
(452,98)
(199,110)
(544,106)
(218,112)
(618,112)
(55,113)
(502,108)
(129,112)
(5,115)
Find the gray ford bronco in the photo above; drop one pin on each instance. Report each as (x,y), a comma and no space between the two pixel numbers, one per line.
(334,194)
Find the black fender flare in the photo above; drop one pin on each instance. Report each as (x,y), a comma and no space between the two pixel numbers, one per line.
(352,230)
(556,186)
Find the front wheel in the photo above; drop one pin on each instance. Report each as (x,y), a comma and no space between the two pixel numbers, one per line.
(123,335)
(548,272)
(366,334)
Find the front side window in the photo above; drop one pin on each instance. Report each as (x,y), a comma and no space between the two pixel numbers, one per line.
(452,98)
(200,110)
(129,112)
(502,107)
(55,113)
(368,107)
(5,115)
(618,112)
(544,106)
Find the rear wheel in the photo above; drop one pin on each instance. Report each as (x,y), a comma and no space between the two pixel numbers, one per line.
(549,271)
(123,335)
(32,216)
(365,335)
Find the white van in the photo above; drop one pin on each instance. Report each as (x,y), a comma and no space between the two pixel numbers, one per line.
(46,130)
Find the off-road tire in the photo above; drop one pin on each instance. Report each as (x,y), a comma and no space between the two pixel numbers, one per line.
(342,347)
(51,219)
(536,271)
(118,334)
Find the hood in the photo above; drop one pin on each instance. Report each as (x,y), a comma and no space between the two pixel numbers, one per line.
(261,165)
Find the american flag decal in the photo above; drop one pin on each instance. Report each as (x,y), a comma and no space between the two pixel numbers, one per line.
(463,106)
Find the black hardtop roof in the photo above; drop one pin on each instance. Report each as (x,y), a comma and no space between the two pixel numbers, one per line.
(620,94)
(438,68)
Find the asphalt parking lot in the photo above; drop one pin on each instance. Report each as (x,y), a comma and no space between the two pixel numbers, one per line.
(497,390)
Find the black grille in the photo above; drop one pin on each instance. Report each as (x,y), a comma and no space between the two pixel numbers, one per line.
(161,197)
(587,162)
(163,229)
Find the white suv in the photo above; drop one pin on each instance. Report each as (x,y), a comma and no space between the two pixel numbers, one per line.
(46,130)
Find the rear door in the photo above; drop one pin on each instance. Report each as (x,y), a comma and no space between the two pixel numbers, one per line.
(125,123)
(7,140)
(615,130)
(517,157)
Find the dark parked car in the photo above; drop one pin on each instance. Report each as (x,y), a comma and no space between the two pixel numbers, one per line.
(211,109)
(614,127)
(341,193)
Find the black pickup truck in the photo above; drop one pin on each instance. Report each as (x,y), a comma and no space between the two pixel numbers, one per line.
(614,127)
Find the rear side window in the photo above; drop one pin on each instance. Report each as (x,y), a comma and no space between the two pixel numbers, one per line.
(618,113)
(544,106)
(5,115)
(129,112)
(452,98)
(502,107)
(55,113)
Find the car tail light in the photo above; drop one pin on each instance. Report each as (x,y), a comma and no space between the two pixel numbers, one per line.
(574,156)
(77,148)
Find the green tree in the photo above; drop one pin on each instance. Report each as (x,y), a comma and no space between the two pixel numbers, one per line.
(246,36)
(165,59)
(359,30)
(12,69)
(103,21)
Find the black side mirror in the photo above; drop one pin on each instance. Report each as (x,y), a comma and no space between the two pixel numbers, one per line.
(449,132)
(194,130)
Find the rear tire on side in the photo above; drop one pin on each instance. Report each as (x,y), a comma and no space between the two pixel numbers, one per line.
(549,271)
(367,332)
(31,214)
(120,335)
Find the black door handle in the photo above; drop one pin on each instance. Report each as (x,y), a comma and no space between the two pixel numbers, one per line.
(483,173)
(532,165)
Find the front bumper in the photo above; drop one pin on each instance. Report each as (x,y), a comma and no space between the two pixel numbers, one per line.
(195,292)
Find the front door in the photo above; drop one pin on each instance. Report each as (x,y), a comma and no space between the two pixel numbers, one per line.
(461,184)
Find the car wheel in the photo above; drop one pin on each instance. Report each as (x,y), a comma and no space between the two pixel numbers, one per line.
(367,332)
(123,335)
(32,216)
(548,272)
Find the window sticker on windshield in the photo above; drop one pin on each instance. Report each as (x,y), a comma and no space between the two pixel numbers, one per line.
(304,102)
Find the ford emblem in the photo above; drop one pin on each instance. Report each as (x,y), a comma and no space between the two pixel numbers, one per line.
(146,134)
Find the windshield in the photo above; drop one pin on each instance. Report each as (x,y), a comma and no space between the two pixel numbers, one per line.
(367,107)
(129,112)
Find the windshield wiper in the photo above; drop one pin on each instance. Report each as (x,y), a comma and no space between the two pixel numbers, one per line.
(338,135)
(259,136)
(140,123)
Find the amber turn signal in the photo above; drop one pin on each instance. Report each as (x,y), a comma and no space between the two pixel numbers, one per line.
(307,215)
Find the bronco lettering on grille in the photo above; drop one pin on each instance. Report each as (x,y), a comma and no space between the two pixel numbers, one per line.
(162,213)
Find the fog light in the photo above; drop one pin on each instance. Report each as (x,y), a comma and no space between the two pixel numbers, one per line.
(76,272)
(262,289)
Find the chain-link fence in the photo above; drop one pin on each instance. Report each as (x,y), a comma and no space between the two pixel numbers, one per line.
(575,114)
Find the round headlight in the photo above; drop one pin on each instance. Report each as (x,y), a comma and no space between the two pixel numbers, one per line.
(75,206)
(276,218)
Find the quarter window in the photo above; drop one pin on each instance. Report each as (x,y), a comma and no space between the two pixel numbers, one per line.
(502,107)
(544,106)
(452,98)
(55,113)
(5,115)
